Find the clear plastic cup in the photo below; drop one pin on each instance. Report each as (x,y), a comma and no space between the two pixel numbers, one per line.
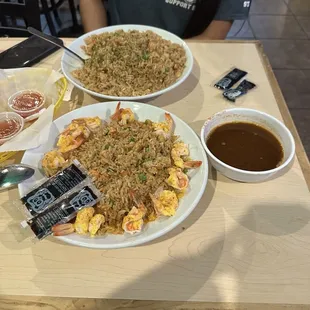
(26,112)
(11,124)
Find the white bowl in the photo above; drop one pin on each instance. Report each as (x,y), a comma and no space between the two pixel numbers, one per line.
(253,116)
(69,63)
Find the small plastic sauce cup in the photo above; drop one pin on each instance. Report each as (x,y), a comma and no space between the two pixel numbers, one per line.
(26,102)
(11,124)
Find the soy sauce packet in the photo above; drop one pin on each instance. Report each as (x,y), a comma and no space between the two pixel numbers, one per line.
(242,89)
(230,79)
(62,210)
(38,199)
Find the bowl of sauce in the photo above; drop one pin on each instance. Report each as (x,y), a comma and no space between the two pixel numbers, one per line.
(11,124)
(247,145)
(26,102)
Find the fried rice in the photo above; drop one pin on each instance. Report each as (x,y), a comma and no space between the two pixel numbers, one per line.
(130,63)
(124,158)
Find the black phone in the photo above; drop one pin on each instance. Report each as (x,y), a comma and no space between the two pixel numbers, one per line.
(27,53)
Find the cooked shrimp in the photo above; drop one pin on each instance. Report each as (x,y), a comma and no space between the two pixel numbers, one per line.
(53,162)
(63,229)
(192,164)
(179,149)
(133,221)
(178,152)
(72,137)
(82,220)
(124,116)
(165,202)
(95,223)
(92,123)
(164,128)
(177,179)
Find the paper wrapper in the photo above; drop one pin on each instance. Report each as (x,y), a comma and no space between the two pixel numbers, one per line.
(39,79)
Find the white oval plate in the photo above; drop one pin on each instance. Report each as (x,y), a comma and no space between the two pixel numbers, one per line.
(70,63)
(151,231)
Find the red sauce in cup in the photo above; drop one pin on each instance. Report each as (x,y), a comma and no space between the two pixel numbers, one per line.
(8,127)
(27,101)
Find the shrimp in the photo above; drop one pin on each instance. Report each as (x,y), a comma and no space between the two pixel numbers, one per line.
(63,229)
(83,218)
(165,202)
(164,128)
(133,221)
(179,150)
(177,179)
(124,116)
(95,223)
(72,137)
(53,162)
(192,164)
(92,123)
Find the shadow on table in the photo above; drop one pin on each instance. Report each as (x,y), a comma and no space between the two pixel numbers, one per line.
(196,126)
(183,271)
(197,265)
(190,91)
(207,261)
(201,266)
(204,267)
(276,219)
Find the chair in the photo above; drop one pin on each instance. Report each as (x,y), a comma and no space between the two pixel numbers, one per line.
(27,10)
(54,5)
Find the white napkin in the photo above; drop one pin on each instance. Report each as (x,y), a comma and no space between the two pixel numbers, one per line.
(40,79)
(33,136)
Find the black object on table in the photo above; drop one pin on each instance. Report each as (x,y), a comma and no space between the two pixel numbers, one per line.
(54,41)
(27,53)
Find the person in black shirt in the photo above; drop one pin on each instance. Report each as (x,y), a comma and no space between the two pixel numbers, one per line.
(202,19)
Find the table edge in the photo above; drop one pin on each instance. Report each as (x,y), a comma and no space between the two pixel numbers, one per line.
(37,302)
(286,115)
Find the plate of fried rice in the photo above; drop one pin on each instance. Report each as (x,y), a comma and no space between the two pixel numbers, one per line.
(148,164)
(128,62)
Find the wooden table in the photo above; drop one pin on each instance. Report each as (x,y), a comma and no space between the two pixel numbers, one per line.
(245,244)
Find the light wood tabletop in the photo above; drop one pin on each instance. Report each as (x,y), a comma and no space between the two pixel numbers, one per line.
(244,244)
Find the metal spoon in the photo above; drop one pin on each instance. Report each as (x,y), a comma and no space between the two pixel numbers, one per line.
(54,41)
(12,175)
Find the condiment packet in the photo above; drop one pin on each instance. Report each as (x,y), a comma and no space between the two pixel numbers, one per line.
(240,90)
(230,79)
(62,210)
(41,197)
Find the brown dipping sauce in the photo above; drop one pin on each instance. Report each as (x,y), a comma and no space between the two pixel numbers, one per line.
(8,127)
(27,101)
(245,146)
